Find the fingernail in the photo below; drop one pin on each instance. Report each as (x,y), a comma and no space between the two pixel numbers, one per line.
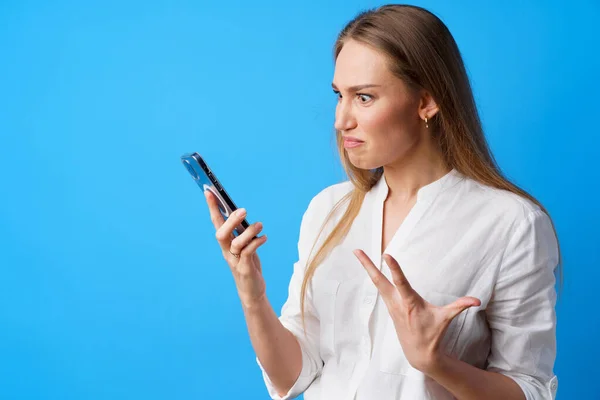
(241,211)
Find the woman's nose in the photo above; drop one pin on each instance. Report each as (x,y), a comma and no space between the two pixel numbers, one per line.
(344,120)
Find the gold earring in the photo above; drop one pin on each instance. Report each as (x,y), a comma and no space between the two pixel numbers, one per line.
(426,125)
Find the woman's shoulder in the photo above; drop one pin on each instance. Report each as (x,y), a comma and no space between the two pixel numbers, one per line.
(511,208)
(331,194)
(323,202)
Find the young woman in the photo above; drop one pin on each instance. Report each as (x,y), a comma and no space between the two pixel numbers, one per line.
(426,275)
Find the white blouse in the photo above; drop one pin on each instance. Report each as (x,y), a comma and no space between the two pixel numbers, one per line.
(461,238)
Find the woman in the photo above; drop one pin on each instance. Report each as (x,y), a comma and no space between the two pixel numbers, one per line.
(426,275)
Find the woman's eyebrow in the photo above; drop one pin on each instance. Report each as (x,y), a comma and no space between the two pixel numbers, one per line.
(357,87)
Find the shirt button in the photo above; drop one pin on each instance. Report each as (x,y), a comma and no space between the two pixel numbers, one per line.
(553,385)
(368,300)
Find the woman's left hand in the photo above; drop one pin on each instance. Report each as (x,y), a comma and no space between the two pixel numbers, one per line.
(420,325)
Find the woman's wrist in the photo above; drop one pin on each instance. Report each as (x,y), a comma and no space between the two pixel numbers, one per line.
(438,367)
(255,305)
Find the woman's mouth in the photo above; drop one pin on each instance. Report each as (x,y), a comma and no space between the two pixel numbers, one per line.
(350,143)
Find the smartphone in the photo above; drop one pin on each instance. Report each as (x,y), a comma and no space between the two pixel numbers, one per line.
(207,180)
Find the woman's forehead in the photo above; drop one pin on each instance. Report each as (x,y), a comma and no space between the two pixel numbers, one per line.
(359,58)
(358,64)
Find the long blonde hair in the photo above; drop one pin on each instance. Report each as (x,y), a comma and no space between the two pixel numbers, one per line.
(423,53)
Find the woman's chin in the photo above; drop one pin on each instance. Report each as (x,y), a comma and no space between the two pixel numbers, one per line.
(363,163)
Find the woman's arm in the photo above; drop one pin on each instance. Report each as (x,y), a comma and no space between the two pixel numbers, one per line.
(289,361)
(288,351)
(276,347)
(521,312)
(522,320)
(467,382)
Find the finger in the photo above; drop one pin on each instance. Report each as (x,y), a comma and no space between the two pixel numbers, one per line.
(402,285)
(215,215)
(225,233)
(238,244)
(455,308)
(253,245)
(381,282)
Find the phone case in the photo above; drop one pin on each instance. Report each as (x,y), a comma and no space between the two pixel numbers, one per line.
(207,180)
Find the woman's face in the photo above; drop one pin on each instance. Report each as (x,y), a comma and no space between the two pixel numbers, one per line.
(383,115)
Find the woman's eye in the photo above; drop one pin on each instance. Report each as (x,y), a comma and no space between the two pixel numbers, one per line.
(361,96)
(364,97)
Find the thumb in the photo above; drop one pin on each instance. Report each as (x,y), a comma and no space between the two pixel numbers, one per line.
(460,305)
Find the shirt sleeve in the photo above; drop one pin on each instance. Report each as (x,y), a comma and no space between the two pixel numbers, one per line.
(291,319)
(521,312)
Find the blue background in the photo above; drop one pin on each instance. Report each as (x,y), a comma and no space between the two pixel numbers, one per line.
(111,283)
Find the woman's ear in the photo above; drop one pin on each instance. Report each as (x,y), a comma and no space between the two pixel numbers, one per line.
(427,105)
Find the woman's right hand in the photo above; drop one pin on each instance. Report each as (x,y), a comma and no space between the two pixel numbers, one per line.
(246,268)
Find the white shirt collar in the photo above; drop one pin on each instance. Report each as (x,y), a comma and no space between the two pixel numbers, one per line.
(427,192)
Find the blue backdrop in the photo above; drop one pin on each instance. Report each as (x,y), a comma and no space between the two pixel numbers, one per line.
(111,283)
